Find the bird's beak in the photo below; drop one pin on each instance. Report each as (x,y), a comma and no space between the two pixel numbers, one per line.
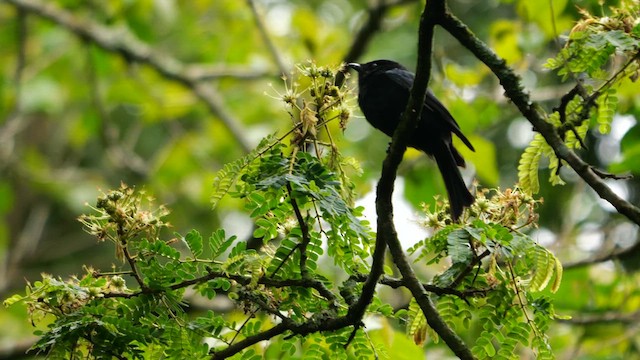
(355,66)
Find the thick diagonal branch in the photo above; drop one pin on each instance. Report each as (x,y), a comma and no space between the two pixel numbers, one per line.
(386,230)
(514,90)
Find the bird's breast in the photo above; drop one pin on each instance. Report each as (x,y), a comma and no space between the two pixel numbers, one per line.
(382,104)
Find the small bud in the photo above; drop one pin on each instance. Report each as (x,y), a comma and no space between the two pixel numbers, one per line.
(102,202)
(117,282)
(115,195)
(483,204)
(326,73)
(312,71)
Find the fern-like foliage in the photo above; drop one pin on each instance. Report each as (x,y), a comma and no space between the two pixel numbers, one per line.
(229,174)
(511,270)
(417,326)
(589,54)
(299,197)
(529,164)
(594,40)
(298,201)
(314,188)
(607,104)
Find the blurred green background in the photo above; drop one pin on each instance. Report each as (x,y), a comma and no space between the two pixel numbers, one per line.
(202,88)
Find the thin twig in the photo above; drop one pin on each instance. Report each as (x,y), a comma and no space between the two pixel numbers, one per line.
(475,261)
(522,300)
(602,318)
(375,16)
(286,258)
(245,280)
(304,228)
(613,255)
(122,241)
(395,283)
(239,329)
(606,175)
(562,112)
(134,268)
(273,50)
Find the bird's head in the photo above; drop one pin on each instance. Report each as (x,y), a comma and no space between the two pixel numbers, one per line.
(374,67)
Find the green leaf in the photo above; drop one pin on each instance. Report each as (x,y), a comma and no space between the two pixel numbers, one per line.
(194,242)
(546,265)
(607,105)
(529,163)
(558,272)
(416,323)
(227,176)
(162,249)
(218,244)
(458,246)
(13,299)
(619,39)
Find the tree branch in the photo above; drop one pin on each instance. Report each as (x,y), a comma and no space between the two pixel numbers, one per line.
(375,15)
(384,208)
(282,67)
(242,280)
(387,179)
(604,318)
(245,280)
(515,91)
(395,283)
(475,261)
(241,345)
(313,325)
(132,262)
(618,254)
(304,228)
(132,49)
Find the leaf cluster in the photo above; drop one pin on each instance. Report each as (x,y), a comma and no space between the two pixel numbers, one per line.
(297,202)
(600,55)
(500,269)
(299,198)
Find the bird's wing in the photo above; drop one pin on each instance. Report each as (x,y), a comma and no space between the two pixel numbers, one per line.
(404,78)
(434,105)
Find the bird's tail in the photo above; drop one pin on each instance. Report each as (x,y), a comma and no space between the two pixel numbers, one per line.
(459,195)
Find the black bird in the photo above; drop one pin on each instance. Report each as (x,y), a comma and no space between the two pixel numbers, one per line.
(384,87)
